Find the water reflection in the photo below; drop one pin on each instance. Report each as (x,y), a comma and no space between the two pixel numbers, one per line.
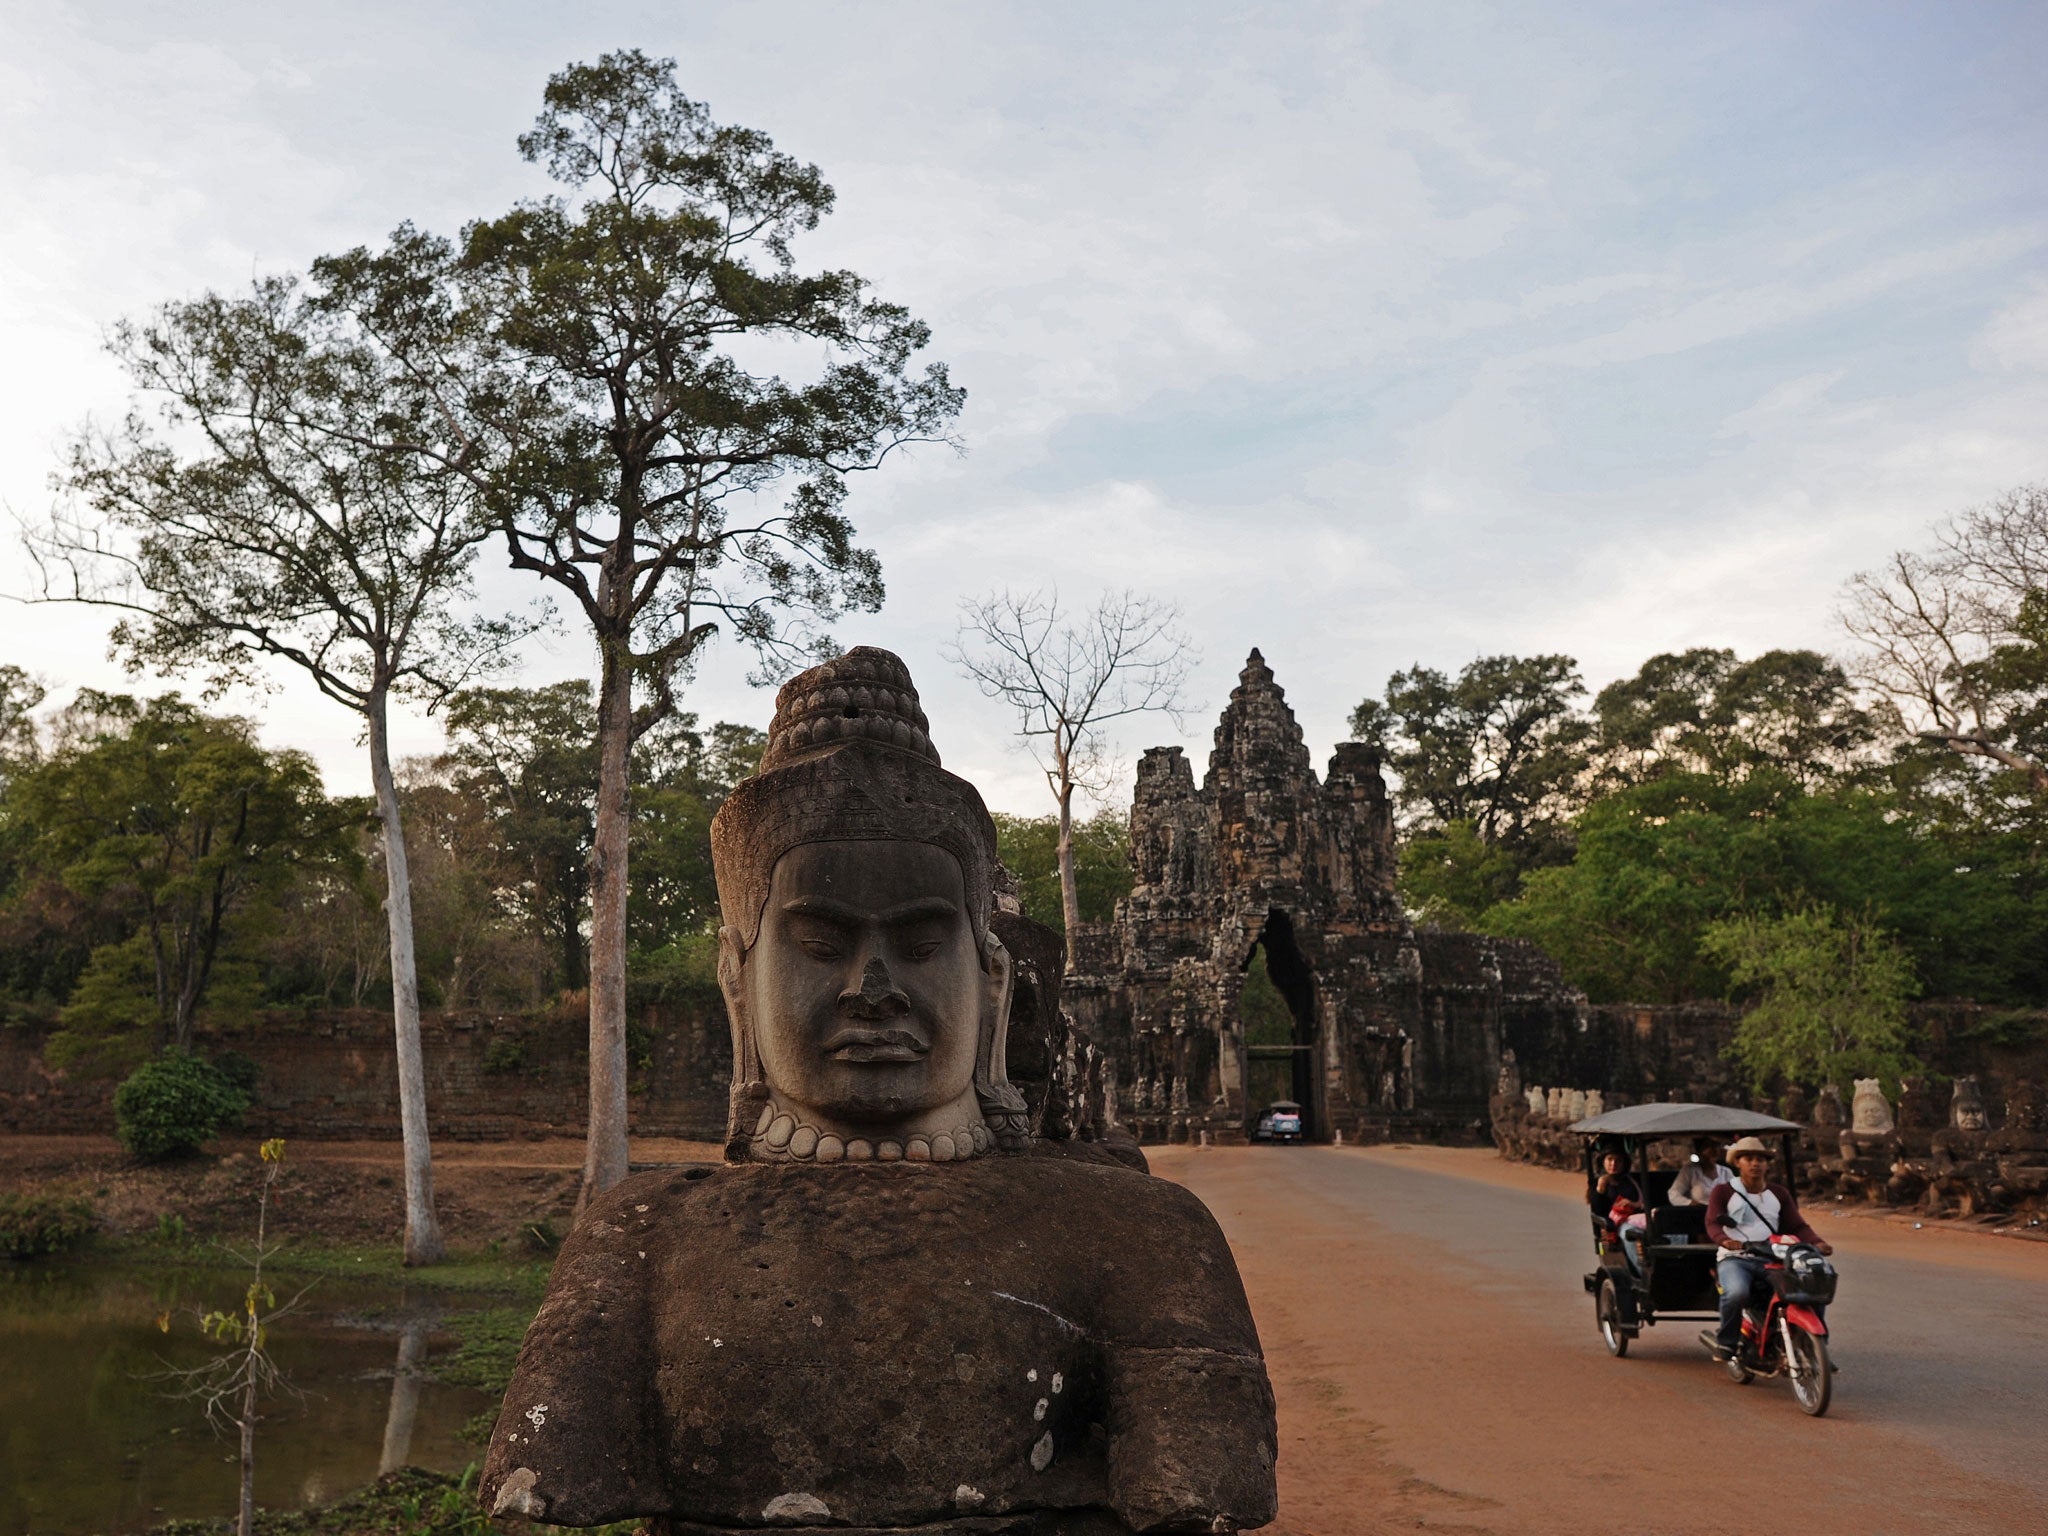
(406,1377)
(90,1442)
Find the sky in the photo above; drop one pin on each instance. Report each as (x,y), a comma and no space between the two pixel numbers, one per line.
(1372,335)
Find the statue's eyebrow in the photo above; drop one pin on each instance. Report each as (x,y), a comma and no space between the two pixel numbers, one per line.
(825,907)
(852,917)
(915,911)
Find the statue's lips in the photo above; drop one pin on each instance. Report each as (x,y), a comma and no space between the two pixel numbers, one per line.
(885,1045)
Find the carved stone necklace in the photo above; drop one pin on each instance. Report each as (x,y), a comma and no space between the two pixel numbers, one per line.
(780,1137)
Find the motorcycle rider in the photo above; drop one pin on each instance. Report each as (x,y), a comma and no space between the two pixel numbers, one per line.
(1751,1209)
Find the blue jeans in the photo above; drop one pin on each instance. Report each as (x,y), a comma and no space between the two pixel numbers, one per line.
(1739,1276)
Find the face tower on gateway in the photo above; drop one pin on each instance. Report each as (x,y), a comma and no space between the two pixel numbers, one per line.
(1371,1024)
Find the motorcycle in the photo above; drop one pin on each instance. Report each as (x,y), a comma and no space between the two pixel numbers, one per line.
(1786,1337)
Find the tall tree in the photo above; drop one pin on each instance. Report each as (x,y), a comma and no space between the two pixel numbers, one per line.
(611,384)
(257,519)
(1489,767)
(1831,993)
(1029,847)
(1956,635)
(1705,711)
(1067,680)
(19,695)
(530,756)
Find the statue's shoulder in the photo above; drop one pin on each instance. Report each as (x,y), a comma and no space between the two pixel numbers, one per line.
(1121,1152)
(648,1203)
(1175,1282)
(1116,1198)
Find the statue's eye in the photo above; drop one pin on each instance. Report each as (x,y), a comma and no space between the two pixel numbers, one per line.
(819,949)
(925,949)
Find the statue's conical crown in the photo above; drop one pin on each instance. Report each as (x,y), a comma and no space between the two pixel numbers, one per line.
(864,695)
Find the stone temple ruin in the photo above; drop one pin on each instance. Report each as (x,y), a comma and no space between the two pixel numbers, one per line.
(1395,1030)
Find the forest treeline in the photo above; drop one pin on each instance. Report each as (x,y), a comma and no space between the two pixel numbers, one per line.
(1641,833)
(160,867)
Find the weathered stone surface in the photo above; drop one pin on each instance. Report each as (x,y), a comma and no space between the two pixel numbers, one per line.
(1966,1105)
(877,1337)
(1871,1113)
(904,1303)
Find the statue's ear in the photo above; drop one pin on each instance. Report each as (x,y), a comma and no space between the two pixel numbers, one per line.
(748,1087)
(732,956)
(1002,1106)
(998,978)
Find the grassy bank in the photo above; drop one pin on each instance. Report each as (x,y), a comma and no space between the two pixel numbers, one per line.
(404,1503)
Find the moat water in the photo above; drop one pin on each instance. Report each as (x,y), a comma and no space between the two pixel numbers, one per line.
(93,1439)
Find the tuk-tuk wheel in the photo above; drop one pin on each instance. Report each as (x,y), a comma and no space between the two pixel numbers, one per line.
(1607,1313)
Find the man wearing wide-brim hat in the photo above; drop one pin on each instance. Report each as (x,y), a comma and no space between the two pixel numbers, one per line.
(1752,1209)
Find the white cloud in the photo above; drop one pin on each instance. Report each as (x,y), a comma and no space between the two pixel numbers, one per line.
(2015,340)
(1372,335)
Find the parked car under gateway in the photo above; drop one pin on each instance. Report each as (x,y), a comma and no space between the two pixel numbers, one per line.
(1279,1121)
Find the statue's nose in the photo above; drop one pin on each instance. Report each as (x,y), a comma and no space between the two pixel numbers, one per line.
(878,990)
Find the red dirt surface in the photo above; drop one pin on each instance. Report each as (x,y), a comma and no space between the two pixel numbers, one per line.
(1418,1395)
(1409,1399)
(339,1191)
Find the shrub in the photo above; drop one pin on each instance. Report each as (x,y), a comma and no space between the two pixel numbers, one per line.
(505,1053)
(175,1105)
(239,1072)
(37,1224)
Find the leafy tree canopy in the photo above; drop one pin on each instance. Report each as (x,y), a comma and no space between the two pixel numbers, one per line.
(1830,994)
(1029,846)
(1703,711)
(181,823)
(1660,862)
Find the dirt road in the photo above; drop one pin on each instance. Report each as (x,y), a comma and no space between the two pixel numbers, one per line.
(1437,1366)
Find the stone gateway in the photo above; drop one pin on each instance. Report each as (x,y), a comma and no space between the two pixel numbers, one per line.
(1393,1029)
(905,1301)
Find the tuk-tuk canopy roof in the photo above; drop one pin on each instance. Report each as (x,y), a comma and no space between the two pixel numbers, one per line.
(1679,1120)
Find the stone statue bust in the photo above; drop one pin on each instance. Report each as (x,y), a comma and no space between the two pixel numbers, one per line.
(1871,1114)
(1966,1105)
(892,1306)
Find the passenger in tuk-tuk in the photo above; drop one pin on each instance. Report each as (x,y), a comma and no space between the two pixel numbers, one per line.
(1617,1196)
(1754,1208)
(1696,1180)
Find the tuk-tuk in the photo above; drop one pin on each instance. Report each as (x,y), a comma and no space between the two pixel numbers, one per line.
(1664,1270)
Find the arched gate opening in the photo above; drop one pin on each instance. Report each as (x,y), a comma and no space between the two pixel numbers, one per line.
(1283,1043)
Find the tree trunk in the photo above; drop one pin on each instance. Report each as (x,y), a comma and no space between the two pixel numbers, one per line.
(1070,890)
(423,1242)
(245,1525)
(604,1158)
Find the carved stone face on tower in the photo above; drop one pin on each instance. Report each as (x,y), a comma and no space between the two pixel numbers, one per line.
(866,998)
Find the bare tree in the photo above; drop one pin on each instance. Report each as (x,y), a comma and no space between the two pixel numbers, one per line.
(1956,636)
(259,520)
(1067,679)
(231,1387)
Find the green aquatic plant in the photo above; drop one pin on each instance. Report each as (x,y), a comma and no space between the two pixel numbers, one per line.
(32,1225)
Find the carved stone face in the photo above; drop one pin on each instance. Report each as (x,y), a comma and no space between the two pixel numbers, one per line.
(864,989)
